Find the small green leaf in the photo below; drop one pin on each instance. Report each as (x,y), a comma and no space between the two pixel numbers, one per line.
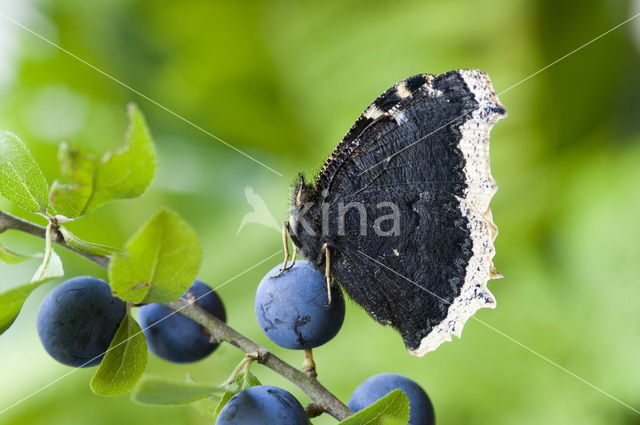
(392,408)
(156,391)
(243,381)
(79,169)
(91,182)
(11,303)
(51,266)
(125,361)
(21,180)
(9,257)
(160,263)
(86,247)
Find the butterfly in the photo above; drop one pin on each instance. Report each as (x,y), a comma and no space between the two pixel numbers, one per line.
(399,214)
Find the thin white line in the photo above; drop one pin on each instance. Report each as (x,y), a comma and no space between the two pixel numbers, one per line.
(507,89)
(139,93)
(570,53)
(557,365)
(508,337)
(132,336)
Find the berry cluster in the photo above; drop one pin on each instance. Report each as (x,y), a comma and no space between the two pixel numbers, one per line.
(78,319)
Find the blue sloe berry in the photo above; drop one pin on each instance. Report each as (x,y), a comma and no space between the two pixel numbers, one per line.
(376,387)
(260,405)
(78,319)
(173,336)
(293,309)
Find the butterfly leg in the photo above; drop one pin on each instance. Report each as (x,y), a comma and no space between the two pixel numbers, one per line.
(285,243)
(327,269)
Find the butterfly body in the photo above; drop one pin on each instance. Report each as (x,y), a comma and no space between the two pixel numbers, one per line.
(402,207)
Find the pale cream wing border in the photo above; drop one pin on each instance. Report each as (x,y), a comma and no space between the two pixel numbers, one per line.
(481,187)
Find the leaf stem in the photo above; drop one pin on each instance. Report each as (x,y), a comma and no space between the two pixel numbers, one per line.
(318,394)
(48,233)
(242,365)
(246,368)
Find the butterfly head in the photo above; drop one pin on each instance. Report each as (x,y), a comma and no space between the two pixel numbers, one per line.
(303,193)
(301,223)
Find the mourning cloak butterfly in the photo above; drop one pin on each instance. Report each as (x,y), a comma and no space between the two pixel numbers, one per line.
(399,214)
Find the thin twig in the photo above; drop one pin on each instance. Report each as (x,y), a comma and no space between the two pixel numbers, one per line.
(319,395)
(11,222)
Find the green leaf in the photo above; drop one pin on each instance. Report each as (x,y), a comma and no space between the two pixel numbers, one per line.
(79,170)
(86,247)
(390,409)
(243,381)
(157,391)
(21,180)
(11,303)
(51,266)
(91,182)
(125,361)
(160,263)
(9,257)
(387,420)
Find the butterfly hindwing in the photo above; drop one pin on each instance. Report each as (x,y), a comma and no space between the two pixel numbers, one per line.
(427,279)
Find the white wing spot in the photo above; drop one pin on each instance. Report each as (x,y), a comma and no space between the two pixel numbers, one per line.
(372,112)
(403,91)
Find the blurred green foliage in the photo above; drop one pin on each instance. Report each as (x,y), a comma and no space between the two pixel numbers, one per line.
(283,81)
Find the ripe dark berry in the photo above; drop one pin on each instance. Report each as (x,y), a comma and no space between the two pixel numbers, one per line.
(176,338)
(293,309)
(376,387)
(78,319)
(260,405)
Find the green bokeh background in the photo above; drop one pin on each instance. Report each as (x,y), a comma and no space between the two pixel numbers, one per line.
(283,81)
